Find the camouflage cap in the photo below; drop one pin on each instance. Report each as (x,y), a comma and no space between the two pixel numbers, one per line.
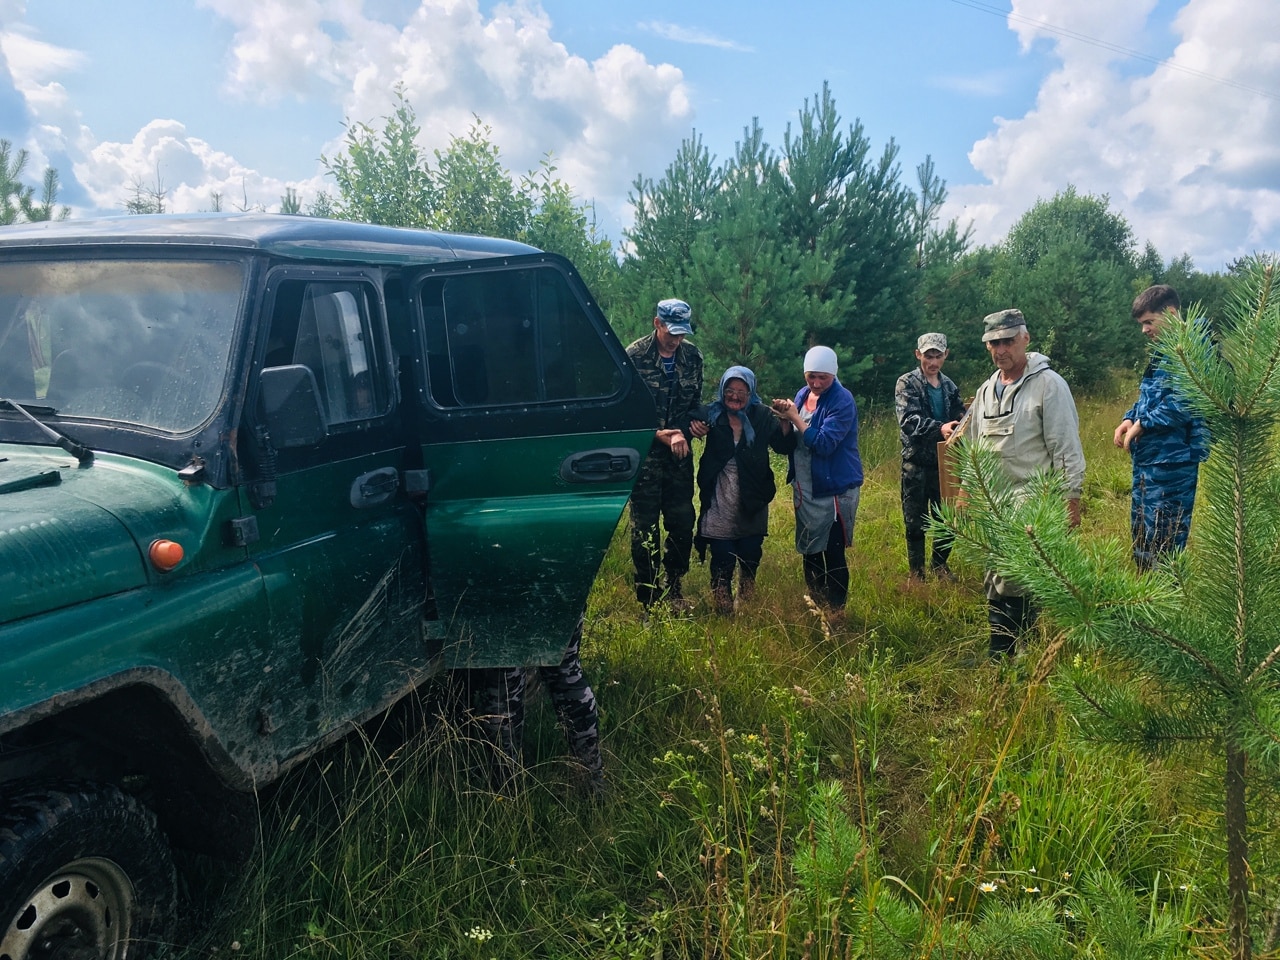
(675,316)
(932,341)
(1002,323)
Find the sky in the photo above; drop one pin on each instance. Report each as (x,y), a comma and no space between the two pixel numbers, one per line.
(1171,108)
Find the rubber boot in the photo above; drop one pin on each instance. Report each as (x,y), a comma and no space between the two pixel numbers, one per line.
(915,557)
(722,593)
(1004,628)
(675,596)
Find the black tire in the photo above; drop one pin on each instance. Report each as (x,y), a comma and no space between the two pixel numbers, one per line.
(85,874)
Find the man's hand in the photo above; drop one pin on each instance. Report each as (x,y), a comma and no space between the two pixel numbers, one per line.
(699,428)
(1132,434)
(675,439)
(1118,437)
(949,428)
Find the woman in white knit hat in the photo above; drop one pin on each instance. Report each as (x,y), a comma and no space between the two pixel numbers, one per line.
(826,477)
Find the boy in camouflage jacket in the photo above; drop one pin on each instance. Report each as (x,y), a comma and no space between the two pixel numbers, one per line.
(928,406)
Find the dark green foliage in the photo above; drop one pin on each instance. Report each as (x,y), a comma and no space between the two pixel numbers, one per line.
(382,177)
(1069,217)
(322,206)
(474,193)
(17,200)
(854,212)
(1118,922)
(562,225)
(385,177)
(669,215)
(778,251)
(954,298)
(1069,265)
(290,203)
(762,295)
(671,212)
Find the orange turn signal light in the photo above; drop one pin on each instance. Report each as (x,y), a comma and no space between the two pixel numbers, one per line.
(165,554)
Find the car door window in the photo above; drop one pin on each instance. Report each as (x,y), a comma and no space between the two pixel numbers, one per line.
(502,338)
(328,327)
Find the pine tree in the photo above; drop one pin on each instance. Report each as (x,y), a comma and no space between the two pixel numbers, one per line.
(1069,267)
(670,214)
(760,295)
(47,208)
(1190,652)
(853,211)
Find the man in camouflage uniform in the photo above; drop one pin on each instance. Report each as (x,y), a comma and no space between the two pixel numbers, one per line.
(1167,443)
(672,369)
(499,709)
(929,407)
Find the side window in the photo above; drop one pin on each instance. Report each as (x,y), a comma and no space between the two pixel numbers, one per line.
(329,327)
(498,338)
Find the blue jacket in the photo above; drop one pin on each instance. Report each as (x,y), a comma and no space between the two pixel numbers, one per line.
(1170,433)
(832,439)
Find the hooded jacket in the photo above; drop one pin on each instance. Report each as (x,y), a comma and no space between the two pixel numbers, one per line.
(1034,426)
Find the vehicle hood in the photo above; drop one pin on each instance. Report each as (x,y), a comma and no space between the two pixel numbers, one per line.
(60,540)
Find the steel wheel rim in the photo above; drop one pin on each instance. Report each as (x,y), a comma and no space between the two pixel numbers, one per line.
(87,903)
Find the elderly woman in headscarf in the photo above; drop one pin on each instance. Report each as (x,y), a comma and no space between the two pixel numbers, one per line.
(735,479)
(826,477)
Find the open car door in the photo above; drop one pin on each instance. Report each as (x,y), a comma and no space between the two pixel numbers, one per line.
(533,427)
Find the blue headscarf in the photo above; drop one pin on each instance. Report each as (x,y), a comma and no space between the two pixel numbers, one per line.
(717,408)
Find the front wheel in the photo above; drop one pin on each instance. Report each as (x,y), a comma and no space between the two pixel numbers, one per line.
(84,873)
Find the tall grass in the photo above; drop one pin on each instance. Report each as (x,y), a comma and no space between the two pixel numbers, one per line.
(776,788)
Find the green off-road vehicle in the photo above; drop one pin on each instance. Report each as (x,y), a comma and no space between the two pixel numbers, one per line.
(260,477)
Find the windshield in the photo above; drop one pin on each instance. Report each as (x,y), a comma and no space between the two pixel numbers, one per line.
(139,341)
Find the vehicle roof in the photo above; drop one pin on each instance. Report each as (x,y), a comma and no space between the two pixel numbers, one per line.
(295,237)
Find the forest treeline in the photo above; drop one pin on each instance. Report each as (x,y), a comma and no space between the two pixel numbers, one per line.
(820,238)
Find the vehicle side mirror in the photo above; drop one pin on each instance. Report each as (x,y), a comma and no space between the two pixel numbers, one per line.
(291,405)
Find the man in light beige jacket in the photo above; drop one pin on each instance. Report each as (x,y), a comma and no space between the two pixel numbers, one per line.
(1026,413)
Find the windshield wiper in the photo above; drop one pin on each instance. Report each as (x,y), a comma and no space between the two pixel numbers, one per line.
(78,450)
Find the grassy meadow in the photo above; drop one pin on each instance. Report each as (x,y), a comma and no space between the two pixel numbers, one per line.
(776,788)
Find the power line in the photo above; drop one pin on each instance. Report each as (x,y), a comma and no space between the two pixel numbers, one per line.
(1115,48)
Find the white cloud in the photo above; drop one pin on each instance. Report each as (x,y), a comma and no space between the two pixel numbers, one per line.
(186,169)
(34,61)
(33,68)
(701,38)
(604,120)
(1191,162)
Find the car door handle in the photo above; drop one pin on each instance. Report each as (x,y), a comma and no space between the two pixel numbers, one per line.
(377,486)
(607,465)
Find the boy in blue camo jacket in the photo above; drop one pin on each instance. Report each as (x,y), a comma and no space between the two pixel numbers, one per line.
(1167,444)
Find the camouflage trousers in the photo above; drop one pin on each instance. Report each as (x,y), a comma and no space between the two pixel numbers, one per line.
(921,492)
(1160,513)
(498,704)
(663,494)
